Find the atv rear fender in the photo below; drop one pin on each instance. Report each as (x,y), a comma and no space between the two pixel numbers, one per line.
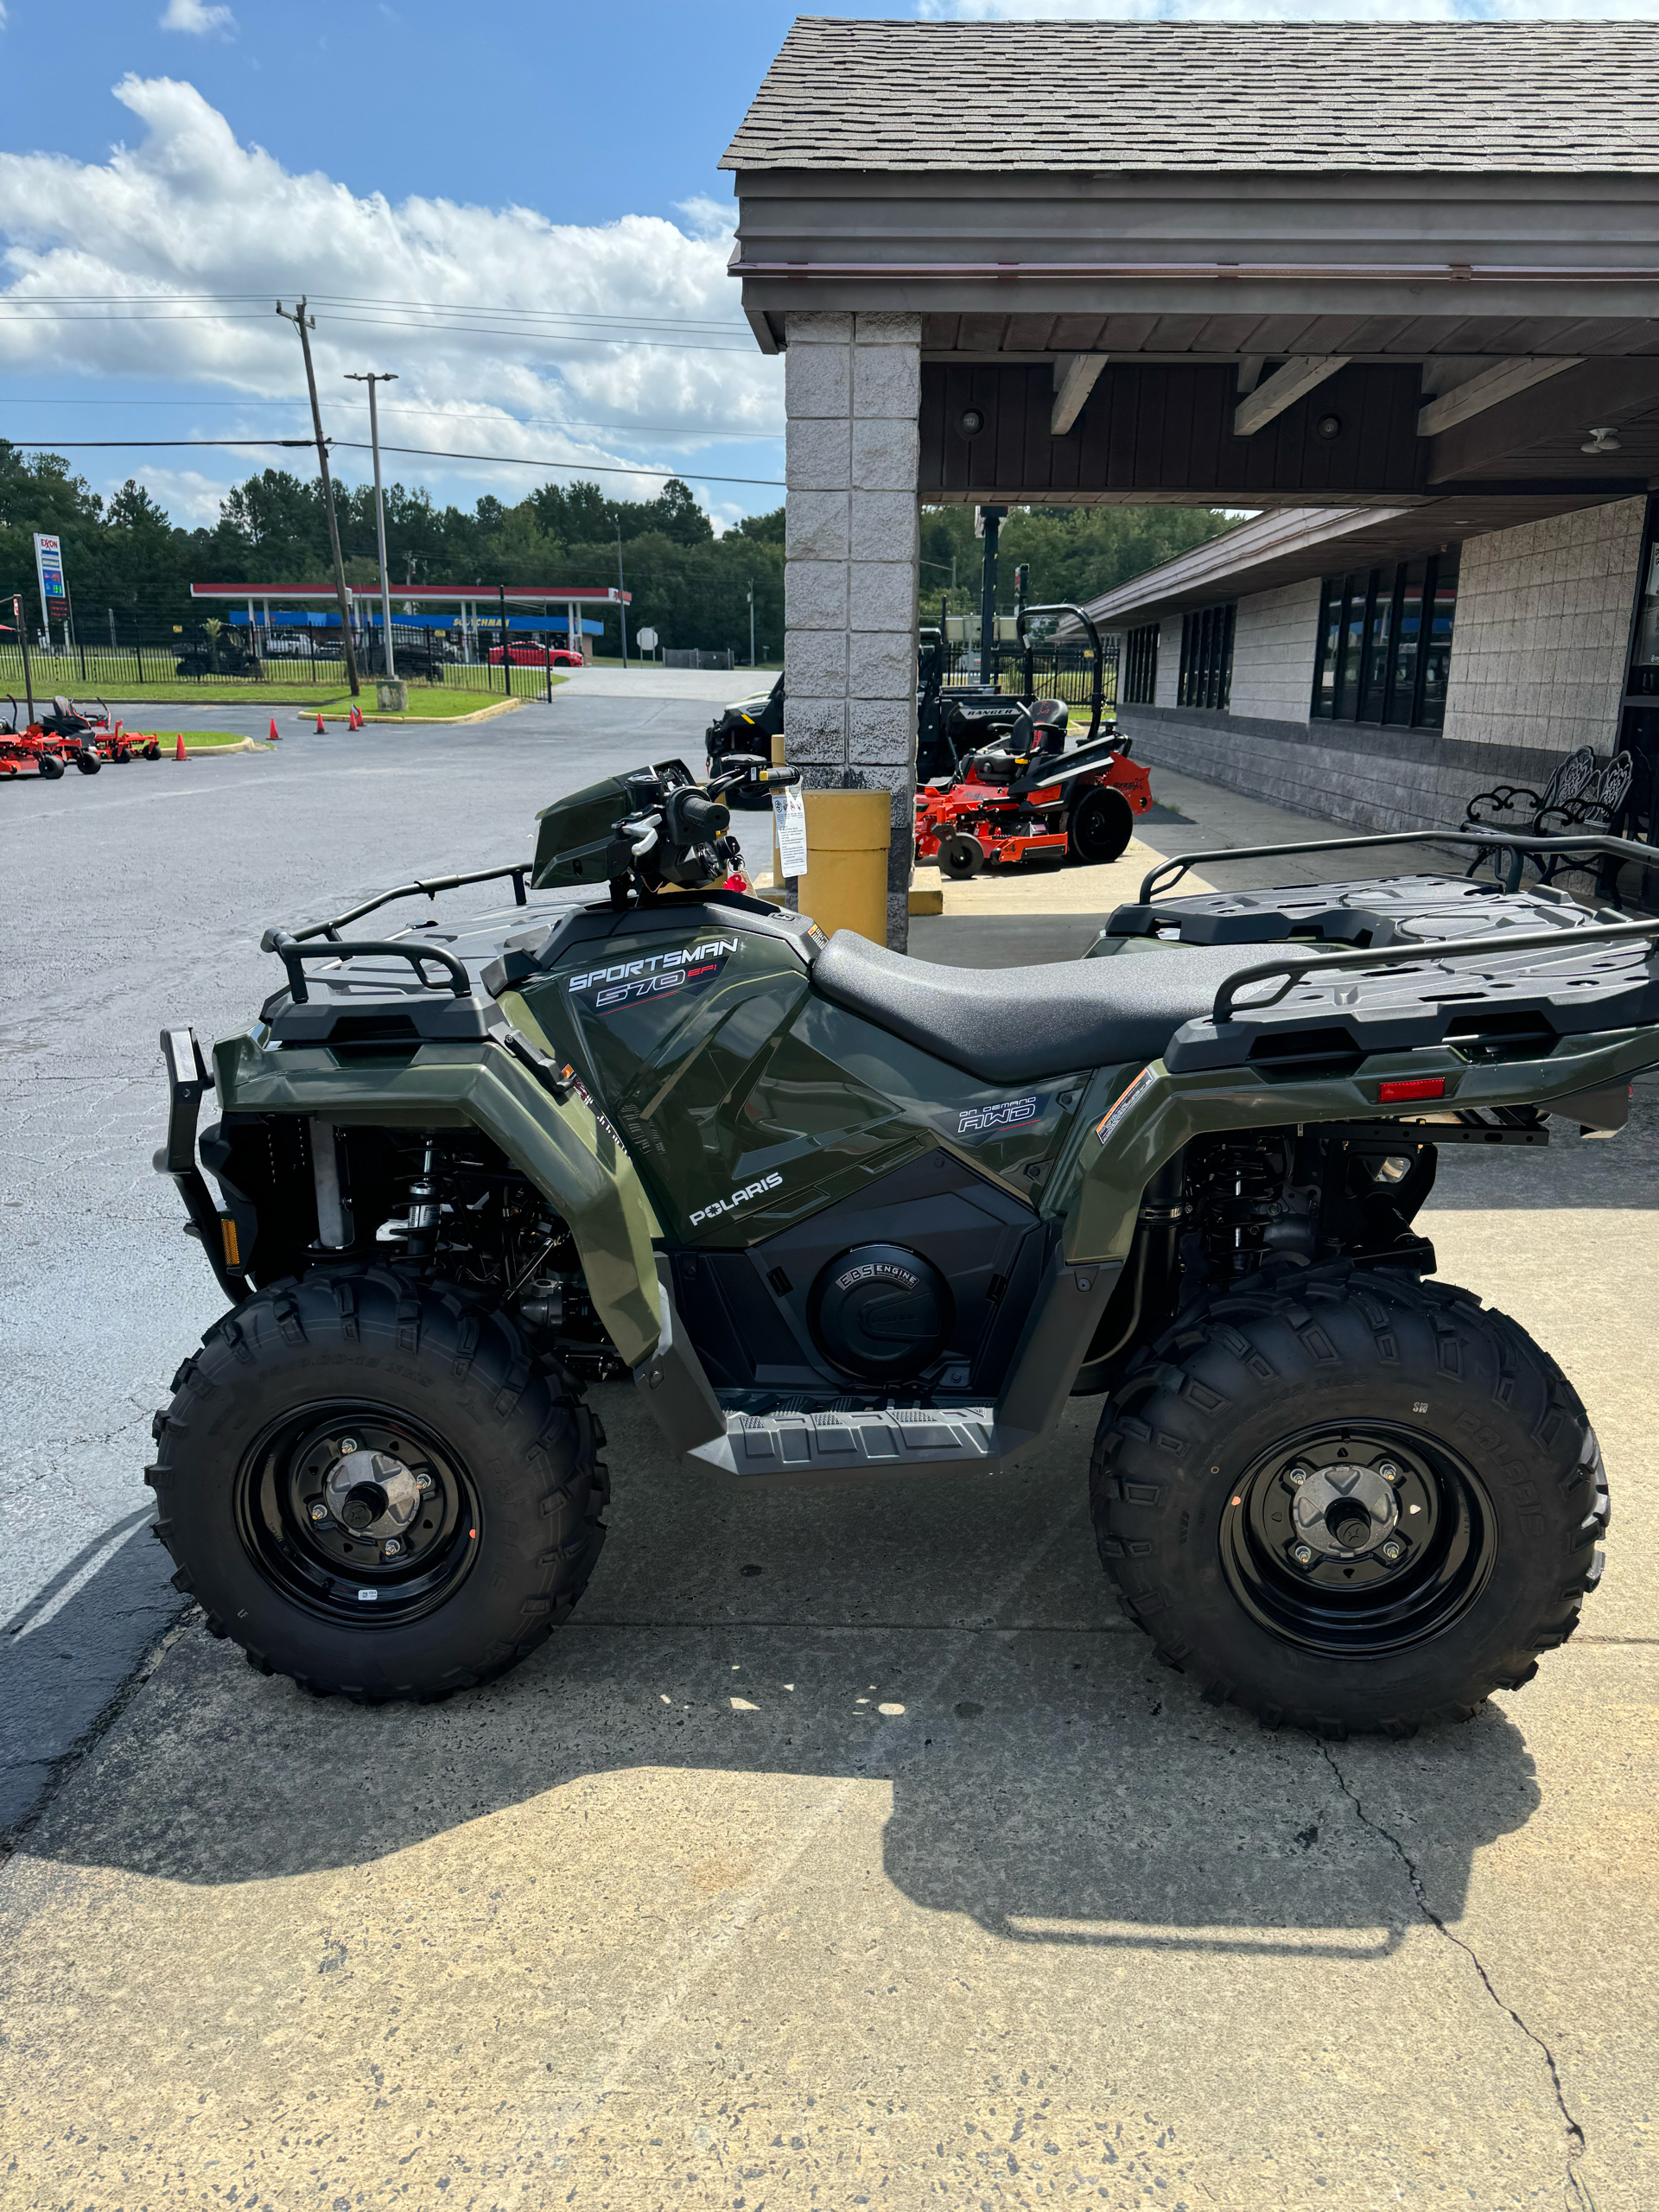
(1133,1119)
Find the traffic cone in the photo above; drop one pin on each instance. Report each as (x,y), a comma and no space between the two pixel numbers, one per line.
(179,752)
(357,718)
(274,732)
(319,728)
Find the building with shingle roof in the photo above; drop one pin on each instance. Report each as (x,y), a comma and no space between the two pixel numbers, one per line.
(1391,286)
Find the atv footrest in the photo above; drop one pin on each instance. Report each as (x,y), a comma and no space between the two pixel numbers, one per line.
(891,1439)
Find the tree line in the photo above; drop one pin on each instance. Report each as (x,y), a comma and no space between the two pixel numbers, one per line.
(128,565)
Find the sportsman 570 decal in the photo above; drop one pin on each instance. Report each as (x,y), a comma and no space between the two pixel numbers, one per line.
(627,981)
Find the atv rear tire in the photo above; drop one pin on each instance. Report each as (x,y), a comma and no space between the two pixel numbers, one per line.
(1214,1452)
(1100,827)
(371,1485)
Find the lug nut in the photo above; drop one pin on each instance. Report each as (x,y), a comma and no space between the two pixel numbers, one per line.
(1392,1551)
(392,1547)
(1388,1472)
(1303,1556)
(422,1482)
(1297,1476)
(347,1444)
(318,1513)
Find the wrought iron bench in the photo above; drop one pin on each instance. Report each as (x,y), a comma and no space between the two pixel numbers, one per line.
(1584,794)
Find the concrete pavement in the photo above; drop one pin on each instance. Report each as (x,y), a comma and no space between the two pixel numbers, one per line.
(846,1848)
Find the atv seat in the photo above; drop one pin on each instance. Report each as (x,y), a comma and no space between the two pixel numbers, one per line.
(1017,1025)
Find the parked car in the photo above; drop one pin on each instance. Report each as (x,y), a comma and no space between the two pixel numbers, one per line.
(538,657)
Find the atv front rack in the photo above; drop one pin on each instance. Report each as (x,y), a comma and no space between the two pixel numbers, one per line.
(423,887)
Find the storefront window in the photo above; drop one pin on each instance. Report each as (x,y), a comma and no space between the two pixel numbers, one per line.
(1385,644)
(1644,650)
(1141,667)
(1206,678)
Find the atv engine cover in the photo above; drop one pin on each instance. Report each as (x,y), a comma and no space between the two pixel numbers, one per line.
(880,1311)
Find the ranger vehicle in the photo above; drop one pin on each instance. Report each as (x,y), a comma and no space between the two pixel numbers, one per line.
(840,1213)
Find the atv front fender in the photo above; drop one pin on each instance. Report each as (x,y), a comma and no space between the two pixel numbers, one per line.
(550,1134)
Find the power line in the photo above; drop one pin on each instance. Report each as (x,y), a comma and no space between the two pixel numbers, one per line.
(448,414)
(362,445)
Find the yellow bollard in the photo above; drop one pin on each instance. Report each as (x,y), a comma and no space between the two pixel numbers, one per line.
(776,857)
(848,834)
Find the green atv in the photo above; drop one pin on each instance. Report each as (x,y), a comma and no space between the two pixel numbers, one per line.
(843,1214)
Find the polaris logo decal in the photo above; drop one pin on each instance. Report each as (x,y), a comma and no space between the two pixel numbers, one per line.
(655,975)
(1007,1114)
(737,1198)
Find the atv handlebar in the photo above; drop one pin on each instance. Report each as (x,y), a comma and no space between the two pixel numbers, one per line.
(1294,968)
(294,955)
(1170,871)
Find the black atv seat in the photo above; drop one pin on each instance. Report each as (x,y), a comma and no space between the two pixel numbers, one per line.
(1016,1024)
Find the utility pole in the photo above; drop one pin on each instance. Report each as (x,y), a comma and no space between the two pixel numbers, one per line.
(751,621)
(305,325)
(373,377)
(621,604)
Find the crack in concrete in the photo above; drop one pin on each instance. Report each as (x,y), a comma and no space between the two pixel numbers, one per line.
(1576,2195)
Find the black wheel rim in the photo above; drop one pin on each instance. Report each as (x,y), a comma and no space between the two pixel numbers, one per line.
(416,1549)
(1332,1551)
(1101,828)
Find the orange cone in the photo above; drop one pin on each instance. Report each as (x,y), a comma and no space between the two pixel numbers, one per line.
(275,732)
(357,718)
(179,752)
(319,728)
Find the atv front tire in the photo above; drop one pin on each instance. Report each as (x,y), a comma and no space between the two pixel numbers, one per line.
(371,1483)
(1350,1500)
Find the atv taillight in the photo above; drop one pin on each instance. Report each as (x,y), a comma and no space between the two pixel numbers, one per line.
(1416,1086)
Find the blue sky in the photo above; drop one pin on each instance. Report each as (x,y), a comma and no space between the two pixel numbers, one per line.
(516,208)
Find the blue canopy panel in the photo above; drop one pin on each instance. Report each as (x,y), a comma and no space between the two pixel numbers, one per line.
(371,620)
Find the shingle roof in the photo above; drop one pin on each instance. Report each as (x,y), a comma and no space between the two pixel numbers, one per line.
(1068,95)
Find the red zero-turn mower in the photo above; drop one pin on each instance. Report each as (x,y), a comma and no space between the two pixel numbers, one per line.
(26,751)
(1025,797)
(90,738)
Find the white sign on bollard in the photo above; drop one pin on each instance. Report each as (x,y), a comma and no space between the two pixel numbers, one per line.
(788,816)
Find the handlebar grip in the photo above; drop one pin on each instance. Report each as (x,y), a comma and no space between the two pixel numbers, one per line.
(702,817)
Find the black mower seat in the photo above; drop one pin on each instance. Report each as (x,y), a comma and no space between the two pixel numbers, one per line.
(1016,1024)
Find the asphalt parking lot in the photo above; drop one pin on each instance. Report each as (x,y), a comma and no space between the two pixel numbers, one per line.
(847,1848)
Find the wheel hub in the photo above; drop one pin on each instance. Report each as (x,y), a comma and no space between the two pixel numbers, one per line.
(1357,1539)
(372,1492)
(1343,1511)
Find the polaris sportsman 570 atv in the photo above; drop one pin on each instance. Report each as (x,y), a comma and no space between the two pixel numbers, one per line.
(839,1213)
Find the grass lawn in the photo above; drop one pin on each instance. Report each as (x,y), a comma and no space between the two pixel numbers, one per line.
(462,690)
(196,740)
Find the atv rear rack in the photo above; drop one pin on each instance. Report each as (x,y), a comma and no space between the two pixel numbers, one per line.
(1295,967)
(1169,873)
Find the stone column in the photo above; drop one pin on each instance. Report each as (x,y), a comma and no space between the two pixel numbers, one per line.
(852,393)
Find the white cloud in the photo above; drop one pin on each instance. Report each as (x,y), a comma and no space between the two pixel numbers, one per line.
(195,17)
(175,252)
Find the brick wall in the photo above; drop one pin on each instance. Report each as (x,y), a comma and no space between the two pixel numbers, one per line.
(1542,630)
(1538,657)
(851,389)
(1272,652)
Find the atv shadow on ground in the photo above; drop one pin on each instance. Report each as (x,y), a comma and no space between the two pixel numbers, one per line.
(1048,1779)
